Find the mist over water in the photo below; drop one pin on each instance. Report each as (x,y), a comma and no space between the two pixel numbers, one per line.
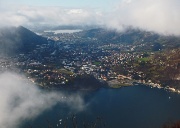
(128,107)
(21,100)
(23,103)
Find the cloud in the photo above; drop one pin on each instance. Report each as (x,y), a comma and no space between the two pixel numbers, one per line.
(30,15)
(161,16)
(21,101)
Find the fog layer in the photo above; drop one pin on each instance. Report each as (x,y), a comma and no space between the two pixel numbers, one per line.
(20,100)
(161,16)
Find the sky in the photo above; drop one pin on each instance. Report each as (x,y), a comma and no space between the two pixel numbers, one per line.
(103,4)
(161,16)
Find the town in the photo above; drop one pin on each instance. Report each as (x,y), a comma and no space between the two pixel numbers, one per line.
(68,56)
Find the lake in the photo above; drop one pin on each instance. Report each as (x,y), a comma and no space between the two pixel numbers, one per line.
(64,31)
(127,107)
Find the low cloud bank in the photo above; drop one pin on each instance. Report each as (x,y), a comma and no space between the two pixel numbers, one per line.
(21,101)
(161,16)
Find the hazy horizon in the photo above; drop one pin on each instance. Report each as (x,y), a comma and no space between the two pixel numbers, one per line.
(161,16)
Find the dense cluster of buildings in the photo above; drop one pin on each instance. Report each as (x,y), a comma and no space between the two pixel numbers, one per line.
(62,59)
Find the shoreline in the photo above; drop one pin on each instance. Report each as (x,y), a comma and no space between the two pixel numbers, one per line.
(128,83)
(155,85)
(115,84)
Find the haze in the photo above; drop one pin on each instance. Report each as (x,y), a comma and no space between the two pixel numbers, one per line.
(21,101)
(161,16)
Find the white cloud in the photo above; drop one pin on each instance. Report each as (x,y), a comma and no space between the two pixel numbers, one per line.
(155,15)
(20,101)
(160,15)
(75,11)
(47,15)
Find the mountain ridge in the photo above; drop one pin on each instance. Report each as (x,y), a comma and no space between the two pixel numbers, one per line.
(132,36)
(15,40)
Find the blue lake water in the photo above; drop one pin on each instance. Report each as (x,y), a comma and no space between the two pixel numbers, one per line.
(127,107)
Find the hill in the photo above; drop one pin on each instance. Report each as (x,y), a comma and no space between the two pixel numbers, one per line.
(15,40)
(133,36)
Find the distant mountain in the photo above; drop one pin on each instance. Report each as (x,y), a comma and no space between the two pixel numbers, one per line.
(132,36)
(127,36)
(14,40)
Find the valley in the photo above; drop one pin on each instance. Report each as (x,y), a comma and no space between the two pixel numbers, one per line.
(65,59)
